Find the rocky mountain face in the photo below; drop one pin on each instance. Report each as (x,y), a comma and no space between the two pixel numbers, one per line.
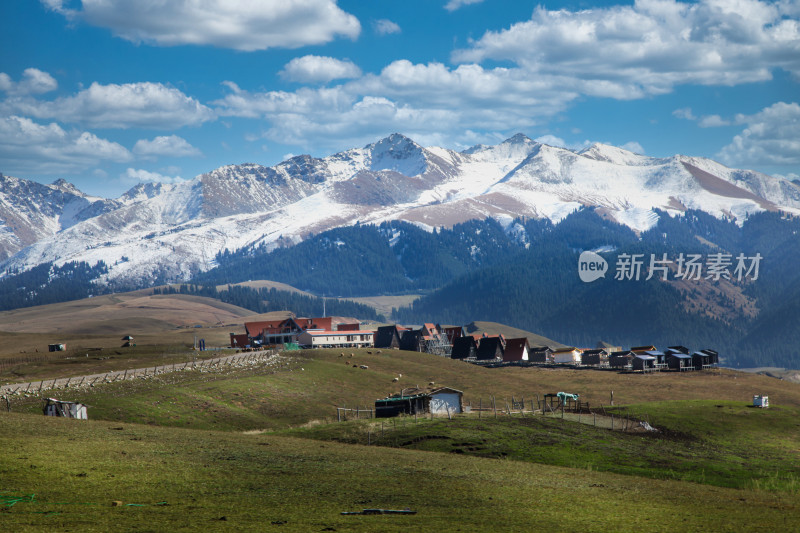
(170,232)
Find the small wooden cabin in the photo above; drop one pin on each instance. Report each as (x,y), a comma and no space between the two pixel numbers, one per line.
(643,363)
(596,357)
(541,354)
(517,350)
(389,336)
(622,359)
(491,349)
(464,348)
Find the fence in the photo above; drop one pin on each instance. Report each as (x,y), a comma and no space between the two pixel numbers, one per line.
(36,387)
(571,410)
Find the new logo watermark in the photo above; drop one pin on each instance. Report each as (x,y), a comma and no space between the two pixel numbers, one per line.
(633,267)
(591,266)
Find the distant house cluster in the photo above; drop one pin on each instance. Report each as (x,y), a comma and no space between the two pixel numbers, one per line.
(457,342)
(303,332)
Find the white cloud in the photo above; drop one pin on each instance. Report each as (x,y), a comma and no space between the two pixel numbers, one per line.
(34,81)
(452,5)
(170,146)
(420,100)
(713,121)
(551,140)
(650,47)
(684,113)
(633,146)
(386,27)
(245,25)
(313,69)
(772,137)
(129,105)
(27,147)
(134,175)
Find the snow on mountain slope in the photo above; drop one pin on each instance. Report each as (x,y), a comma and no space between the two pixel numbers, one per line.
(30,211)
(168,232)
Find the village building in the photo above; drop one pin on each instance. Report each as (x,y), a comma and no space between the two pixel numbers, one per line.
(595,357)
(678,360)
(410,401)
(641,350)
(622,359)
(541,354)
(660,358)
(567,356)
(455,332)
(702,360)
(320,338)
(491,348)
(608,347)
(465,348)
(240,340)
(643,363)
(283,331)
(517,350)
(389,336)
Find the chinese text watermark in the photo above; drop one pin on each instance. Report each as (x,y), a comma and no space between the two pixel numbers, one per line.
(694,267)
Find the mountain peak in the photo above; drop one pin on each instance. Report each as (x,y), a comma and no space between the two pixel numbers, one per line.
(611,154)
(400,154)
(519,138)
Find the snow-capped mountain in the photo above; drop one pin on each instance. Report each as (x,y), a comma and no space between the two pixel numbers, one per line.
(169,232)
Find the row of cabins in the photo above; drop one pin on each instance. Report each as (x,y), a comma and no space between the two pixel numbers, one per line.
(305,332)
(638,358)
(485,348)
(457,343)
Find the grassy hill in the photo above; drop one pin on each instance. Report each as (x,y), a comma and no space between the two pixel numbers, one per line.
(67,475)
(714,465)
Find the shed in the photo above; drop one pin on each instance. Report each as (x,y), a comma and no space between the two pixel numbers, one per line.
(760,400)
(53,407)
(438,401)
(57,347)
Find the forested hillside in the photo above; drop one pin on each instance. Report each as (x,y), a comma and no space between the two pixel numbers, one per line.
(46,284)
(364,260)
(265,300)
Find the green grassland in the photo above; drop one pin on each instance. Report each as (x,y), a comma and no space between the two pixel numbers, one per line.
(197,441)
(169,479)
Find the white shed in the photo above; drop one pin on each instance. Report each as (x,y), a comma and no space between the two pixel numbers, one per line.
(445,399)
(53,407)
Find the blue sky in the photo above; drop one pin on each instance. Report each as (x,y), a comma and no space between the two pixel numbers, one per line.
(110,93)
